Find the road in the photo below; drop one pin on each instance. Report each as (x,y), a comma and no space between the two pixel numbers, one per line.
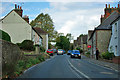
(62,66)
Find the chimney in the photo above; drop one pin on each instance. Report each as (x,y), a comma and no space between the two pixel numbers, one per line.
(15,6)
(26,18)
(17,10)
(109,5)
(118,5)
(18,6)
(106,5)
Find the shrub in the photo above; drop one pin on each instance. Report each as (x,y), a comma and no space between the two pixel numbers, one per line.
(42,49)
(107,55)
(4,36)
(27,45)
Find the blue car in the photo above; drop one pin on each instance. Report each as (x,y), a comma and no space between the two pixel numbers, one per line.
(75,53)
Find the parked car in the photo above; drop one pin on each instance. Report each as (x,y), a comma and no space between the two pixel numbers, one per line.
(50,52)
(54,50)
(60,51)
(63,51)
(75,53)
(69,52)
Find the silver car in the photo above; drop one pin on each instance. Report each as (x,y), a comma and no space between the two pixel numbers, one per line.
(60,51)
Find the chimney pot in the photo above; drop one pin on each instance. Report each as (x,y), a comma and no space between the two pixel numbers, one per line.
(15,6)
(18,6)
(115,7)
(112,7)
(106,5)
(109,5)
(118,5)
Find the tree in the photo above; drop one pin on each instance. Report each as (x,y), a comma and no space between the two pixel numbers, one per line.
(63,43)
(45,22)
(69,36)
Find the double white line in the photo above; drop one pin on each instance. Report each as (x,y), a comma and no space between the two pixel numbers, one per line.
(79,71)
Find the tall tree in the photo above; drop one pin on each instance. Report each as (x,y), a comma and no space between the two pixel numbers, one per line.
(63,43)
(45,22)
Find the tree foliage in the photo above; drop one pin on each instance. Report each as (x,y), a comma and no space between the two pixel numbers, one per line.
(4,36)
(45,22)
(62,42)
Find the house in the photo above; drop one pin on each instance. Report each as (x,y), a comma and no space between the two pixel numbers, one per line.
(36,37)
(16,26)
(101,35)
(44,36)
(89,43)
(81,43)
(114,45)
(84,43)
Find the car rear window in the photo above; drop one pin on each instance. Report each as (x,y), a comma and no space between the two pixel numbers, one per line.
(49,50)
(76,51)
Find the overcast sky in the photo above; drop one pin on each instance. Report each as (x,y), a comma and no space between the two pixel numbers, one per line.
(73,16)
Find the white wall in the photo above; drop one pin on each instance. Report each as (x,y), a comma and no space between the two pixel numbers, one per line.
(18,29)
(115,40)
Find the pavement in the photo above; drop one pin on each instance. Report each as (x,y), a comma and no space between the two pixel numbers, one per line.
(106,64)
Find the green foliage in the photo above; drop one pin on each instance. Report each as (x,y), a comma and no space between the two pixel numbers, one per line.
(42,49)
(49,45)
(78,48)
(107,55)
(4,36)
(45,22)
(63,43)
(87,54)
(27,45)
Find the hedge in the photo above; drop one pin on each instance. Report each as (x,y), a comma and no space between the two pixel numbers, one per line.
(4,36)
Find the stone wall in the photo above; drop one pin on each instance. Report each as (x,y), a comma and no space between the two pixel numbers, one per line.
(103,39)
(10,55)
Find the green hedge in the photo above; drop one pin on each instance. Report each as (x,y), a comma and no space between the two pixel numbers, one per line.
(4,36)
(26,45)
(107,55)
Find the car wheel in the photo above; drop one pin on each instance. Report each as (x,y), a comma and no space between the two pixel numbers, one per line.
(71,56)
(79,57)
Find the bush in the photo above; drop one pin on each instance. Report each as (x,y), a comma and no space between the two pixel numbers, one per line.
(4,36)
(27,45)
(107,55)
(42,49)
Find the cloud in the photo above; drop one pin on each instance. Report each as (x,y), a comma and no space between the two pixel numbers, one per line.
(75,17)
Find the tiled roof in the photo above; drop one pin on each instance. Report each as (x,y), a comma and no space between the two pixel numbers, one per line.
(39,30)
(106,23)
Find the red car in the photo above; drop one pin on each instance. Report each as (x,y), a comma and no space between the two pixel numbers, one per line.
(50,52)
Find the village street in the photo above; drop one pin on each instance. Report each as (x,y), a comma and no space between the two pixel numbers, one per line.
(62,66)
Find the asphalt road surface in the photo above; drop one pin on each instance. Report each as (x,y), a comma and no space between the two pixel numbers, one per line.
(62,66)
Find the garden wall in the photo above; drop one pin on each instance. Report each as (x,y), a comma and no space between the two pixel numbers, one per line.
(10,55)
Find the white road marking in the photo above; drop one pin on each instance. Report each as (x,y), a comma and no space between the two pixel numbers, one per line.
(106,72)
(79,71)
(78,76)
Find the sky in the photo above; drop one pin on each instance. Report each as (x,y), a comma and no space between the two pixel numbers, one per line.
(73,16)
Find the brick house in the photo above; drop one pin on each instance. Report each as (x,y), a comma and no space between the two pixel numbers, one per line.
(101,35)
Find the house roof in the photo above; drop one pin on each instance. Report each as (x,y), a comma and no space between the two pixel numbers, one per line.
(106,24)
(39,30)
